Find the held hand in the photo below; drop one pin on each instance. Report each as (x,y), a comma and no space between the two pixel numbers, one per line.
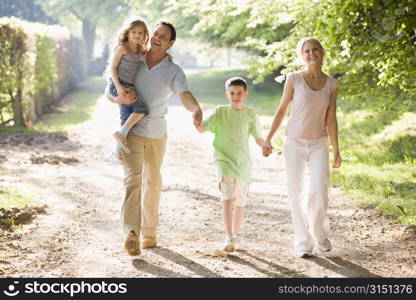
(267,148)
(129,98)
(121,91)
(337,160)
(197,117)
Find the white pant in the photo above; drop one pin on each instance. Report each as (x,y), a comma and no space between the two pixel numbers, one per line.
(309,219)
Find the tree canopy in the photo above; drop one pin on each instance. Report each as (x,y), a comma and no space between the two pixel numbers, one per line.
(370,44)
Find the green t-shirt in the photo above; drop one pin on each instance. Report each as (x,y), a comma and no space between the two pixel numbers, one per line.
(232,129)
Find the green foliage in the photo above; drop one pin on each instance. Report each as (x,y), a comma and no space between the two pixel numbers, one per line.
(370,44)
(12,198)
(78,108)
(226,23)
(24,9)
(105,14)
(208,87)
(12,59)
(37,67)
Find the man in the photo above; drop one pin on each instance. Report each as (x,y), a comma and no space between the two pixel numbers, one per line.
(157,77)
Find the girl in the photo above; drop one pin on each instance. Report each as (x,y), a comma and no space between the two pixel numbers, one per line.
(312,95)
(131,45)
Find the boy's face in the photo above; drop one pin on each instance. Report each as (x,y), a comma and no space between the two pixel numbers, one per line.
(236,94)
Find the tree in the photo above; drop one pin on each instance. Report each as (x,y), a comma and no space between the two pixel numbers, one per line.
(370,44)
(26,10)
(91,13)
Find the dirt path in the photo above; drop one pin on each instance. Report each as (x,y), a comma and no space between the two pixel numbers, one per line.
(80,235)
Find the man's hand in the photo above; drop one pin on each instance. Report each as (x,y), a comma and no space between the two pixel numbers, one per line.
(129,98)
(197,117)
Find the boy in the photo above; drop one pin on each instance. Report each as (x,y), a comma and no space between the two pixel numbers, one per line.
(232,125)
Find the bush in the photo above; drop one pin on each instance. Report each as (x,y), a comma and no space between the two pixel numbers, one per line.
(39,64)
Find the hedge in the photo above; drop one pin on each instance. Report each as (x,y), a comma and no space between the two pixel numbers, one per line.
(38,65)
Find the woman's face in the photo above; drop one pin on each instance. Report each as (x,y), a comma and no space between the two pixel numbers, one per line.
(311,54)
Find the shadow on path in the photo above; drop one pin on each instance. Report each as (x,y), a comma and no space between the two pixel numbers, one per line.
(185,262)
(343,267)
(279,271)
(144,266)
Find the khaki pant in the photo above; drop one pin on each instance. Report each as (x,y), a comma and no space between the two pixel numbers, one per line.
(142,174)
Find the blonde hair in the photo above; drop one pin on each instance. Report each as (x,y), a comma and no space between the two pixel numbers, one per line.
(123,33)
(304,40)
(122,37)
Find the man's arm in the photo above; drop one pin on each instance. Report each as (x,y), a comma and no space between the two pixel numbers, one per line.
(192,105)
(199,127)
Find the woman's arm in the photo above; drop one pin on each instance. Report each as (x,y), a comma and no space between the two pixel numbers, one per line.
(332,124)
(281,110)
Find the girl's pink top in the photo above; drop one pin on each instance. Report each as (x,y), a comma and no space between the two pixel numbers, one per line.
(309,107)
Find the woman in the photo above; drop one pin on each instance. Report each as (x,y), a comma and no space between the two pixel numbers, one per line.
(312,95)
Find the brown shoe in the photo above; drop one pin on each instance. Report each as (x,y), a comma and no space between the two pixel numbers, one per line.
(149,241)
(132,244)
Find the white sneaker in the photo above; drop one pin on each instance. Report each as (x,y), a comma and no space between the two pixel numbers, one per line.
(325,245)
(229,245)
(236,242)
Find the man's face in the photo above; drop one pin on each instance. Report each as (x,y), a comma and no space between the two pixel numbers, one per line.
(160,40)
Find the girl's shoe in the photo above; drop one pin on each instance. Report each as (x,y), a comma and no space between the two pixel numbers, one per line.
(121,140)
(229,245)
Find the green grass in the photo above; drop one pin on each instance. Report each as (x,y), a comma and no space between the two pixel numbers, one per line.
(78,108)
(74,109)
(378,148)
(208,87)
(12,198)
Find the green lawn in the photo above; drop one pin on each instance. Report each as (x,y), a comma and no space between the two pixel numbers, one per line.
(378,148)
(12,198)
(77,108)
(208,87)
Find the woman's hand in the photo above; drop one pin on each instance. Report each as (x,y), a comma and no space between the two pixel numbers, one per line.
(337,160)
(121,91)
(267,148)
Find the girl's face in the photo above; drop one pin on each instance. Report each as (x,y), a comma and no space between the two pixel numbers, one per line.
(136,35)
(311,53)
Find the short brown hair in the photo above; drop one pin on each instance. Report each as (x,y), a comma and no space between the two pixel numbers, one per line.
(171,27)
(236,81)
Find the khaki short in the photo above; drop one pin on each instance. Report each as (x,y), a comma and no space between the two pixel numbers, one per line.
(234,189)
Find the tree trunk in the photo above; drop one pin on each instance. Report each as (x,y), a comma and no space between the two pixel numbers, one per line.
(18,109)
(88,33)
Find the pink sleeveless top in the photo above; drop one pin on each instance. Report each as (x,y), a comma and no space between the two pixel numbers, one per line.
(309,107)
